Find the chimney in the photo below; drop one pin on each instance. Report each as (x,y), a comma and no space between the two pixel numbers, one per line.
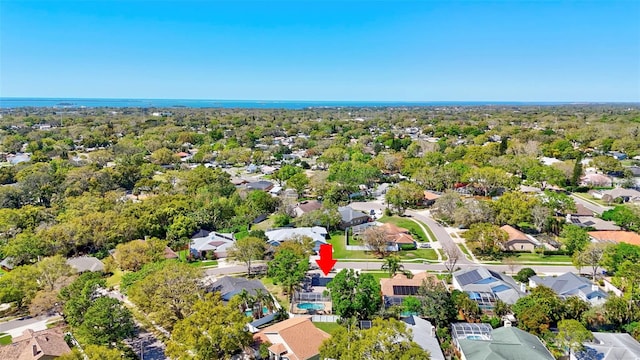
(35,350)
(507,323)
(523,287)
(433,331)
(594,287)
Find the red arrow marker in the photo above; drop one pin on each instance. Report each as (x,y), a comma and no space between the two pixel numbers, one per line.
(326,260)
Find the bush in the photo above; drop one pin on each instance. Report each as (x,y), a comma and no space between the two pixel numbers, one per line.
(387,212)
(407,246)
(524,274)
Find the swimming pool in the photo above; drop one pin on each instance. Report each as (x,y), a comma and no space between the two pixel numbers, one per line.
(310,306)
(250,311)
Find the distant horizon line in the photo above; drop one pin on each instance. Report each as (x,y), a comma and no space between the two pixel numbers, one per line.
(316,100)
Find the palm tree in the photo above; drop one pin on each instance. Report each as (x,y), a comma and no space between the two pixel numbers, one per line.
(262,299)
(246,300)
(393,266)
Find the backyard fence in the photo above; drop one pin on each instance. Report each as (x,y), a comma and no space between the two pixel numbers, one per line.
(311,296)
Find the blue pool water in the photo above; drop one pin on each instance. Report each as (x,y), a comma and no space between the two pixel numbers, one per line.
(250,312)
(310,306)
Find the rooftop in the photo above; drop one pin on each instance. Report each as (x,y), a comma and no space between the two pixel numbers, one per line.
(298,335)
(507,343)
(616,236)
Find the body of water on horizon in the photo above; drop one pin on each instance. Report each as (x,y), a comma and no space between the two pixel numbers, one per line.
(63,103)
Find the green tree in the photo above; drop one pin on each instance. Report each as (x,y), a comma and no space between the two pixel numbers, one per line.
(514,208)
(616,255)
(168,294)
(412,304)
(133,255)
(572,334)
(78,296)
(524,274)
(298,182)
(212,331)
(106,321)
(574,238)
(437,304)
(386,339)
(288,269)
(489,179)
(246,250)
(487,238)
(164,156)
(591,256)
(404,195)
(285,173)
(355,295)
(392,265)
(19,286)
(537,311)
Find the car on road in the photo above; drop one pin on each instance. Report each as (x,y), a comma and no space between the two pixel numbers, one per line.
(425,246)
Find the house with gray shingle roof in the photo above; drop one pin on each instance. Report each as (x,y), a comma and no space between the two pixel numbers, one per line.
(350,217)
(424,334)
(229,286)
(85,263)
(570,284)
(609,346)
(486,286)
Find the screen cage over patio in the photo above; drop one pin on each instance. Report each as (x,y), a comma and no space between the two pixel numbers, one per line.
(310,297)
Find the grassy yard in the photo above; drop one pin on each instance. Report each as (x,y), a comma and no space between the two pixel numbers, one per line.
(408,224)
(378,274)
(340,250)
(327,327)
(532,258)
(276,290)
(114,280)
(589,198)
(265,225)
(429,254)
(182,254)
(5,339)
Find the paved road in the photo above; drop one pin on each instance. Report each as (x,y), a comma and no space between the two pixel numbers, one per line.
(441,234)
(145,344)
(17,327)
(599,209)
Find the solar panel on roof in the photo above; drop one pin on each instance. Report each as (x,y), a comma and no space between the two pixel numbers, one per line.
(469,278)
(404,290)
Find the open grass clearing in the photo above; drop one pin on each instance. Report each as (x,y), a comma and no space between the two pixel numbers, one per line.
(115,279)
(428,254)
(5,339)
(328,327)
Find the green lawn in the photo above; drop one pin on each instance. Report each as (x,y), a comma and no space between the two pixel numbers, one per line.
(429,254)
(407,224)
(532,258)
(5,339)
(115,279)
(328,327)
(378,274)
(265,225)
(340,250)
(276,290)
(589,198)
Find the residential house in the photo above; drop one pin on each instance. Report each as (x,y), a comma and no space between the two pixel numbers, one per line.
(395,289)
(625,195)
(7,264)
(592,223)
(262,185)
(85,263)
(609,346)
(619,236)
(581,210)
(44,345)
(424,334)
(317,233)
(204,243)
(570,284)
(505,343)
(397,236)
(350,217)
(594,179)
(430,198)
(486,286)
(618,155)
(519,241)
(307,207)
(293,339)
(229,286)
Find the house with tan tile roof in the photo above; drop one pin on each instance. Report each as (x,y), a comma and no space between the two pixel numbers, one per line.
(293,339)
(619,236)
(45,344)
(398,287)
(397,235)
(519,241)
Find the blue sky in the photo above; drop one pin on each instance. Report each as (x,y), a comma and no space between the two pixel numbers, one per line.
(305,50)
